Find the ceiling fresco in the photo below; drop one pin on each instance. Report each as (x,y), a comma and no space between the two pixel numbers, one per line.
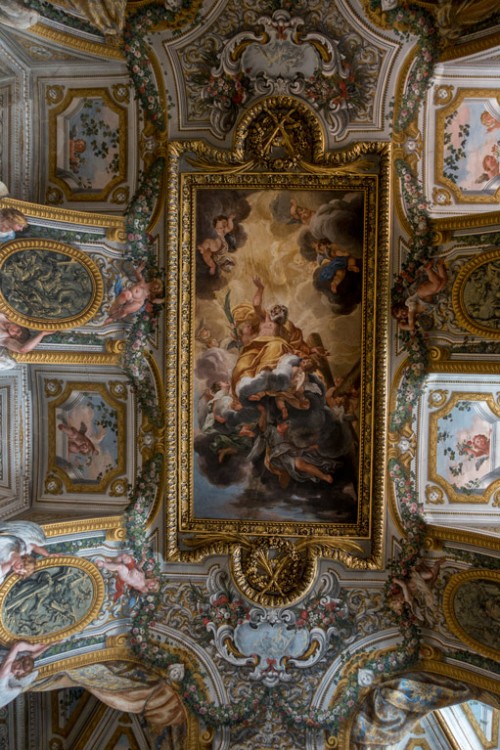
(249,374)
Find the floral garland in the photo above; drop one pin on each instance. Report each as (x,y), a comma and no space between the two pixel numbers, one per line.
(136,54)
(418,22)
(145,322)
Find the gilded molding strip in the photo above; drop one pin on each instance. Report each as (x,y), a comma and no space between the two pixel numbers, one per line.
(456,51)
(458,536)
(63,528)
(114,224)
(491,684)
(77,43)
(439,361)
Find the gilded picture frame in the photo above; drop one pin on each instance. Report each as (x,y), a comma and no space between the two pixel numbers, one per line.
(53,615)
(234,483)
(470,604)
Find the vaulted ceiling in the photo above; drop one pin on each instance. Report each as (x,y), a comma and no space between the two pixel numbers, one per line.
(262,532)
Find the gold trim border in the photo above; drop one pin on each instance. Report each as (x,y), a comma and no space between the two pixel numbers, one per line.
(453,622)
(457,295)
(462,198)
(35,323)
(76,42)
(111,524)
(121,426)
(114,226)
(87,567)
(213,163)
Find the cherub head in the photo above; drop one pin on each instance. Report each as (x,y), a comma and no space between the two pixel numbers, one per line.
(12,220)
(400,312)
(24,566)
(152,585)
(22,666)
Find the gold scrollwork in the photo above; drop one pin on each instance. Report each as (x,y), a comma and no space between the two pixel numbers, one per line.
(441,197)
(271,571)
(52,387)
(54,196)
(120,195)
(443,94)
(53,485)
(115,346)
(121,92)
(54,94)
(118,487)
(434,495)
(118,534)
(495,500)
(118,389)
(403,445)
(437,398)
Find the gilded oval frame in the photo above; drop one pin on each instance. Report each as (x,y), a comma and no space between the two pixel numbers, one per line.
(72,321)
(91,570)
(452,621)
(457,296)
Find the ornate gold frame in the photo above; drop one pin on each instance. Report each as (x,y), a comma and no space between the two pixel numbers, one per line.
(451,619)
(49,562)
(451,106)
(457,296)
(251,164)
(60,105)
(57,475)
(453,496)
(11,248)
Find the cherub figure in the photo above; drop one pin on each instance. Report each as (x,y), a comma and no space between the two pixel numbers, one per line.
(301,213)
(214,250)
(11,221)
(132,299)
(129,573)
(334,262)
(422,300)
(489,121)
(416,591)
(478,447)
(80,442)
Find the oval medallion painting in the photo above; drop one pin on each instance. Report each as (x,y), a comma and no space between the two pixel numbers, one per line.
(471,603)
(47,285)
(60,597)
(475,295)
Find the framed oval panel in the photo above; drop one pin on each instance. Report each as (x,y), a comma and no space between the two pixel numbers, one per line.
(471,603)
(475,295)
(61,597)
(47,285)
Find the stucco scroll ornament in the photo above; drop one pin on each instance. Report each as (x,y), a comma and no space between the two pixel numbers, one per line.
(274,641)
(278,61)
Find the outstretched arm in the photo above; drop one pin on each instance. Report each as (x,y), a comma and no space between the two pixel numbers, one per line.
(14,345)
(258,297)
